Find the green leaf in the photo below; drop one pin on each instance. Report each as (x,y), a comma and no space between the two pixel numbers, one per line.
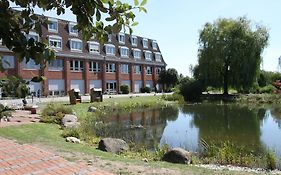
(143,2)
(142,9)
(135,24)
(136,2)
(98,15)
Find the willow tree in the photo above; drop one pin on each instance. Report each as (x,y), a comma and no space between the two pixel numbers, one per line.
(230,53)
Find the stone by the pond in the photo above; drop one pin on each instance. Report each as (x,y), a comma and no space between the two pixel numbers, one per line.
(178,155)
(70,121)
(92,109)
(72,139)
(113,145)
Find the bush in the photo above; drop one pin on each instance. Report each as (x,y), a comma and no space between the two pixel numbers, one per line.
(173,97)
(266,89)
(70,132)
(124,89)
(191,89)
(145,90)
(53,113)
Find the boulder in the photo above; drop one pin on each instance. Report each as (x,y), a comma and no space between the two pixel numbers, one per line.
(178,155)
(113,145)
(72,139)
(92,109)
(70,121)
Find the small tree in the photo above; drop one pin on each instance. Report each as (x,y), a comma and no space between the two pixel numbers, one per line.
(168,78)
(124,89)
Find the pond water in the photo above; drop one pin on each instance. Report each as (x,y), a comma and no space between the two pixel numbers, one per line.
(187,126)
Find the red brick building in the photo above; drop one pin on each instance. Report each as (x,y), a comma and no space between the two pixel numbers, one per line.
(125,59)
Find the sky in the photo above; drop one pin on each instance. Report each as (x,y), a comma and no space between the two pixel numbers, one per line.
(175,26)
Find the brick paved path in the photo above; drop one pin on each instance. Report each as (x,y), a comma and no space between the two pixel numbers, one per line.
(16,159)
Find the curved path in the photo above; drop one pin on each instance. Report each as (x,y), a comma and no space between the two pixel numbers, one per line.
(17,159)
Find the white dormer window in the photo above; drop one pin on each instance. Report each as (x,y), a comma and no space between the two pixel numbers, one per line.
(109,49)
(94,47)
(147,55)
(137,53)
(158,57)
(154,45)
(134,41)
(55,42)
(33,35)
(75,44)
(124,52)
(71,29)
(52,25)
(121,38)
(145,43)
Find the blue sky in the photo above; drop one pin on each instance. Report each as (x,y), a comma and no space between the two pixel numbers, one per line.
(176,24)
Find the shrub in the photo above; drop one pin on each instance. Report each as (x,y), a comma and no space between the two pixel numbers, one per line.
(191,89)
(266,89)
(124,89)
(145,90)
(70,132)
(173,97)
(53,113)
(270,161)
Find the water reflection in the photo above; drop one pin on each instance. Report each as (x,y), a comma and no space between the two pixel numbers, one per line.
(257,129)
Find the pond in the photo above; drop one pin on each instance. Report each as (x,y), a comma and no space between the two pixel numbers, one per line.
(186,127)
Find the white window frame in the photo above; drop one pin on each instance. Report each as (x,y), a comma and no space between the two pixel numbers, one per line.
(134,43)
(149,70)
(146,53)
(110,68)
(55,21)
(121,35)
(71,29)
(137,71)
(121,49)
(80,67)
(145,40)
(30,34)
(109,46)
(91,48)
(72,40)
(96,68)
(156,57)
(56,68)
(134,53)
(154,45)
(8,61)
(124,68)
(56,39)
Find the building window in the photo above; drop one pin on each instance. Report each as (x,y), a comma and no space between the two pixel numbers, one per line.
(94,66)
(76,65)
(121,38)
(134,41)
(110,49)
(110,67)
(148,55)
(154,45)
(124,68)
(53,25)
(137,53)
(56,65)
(94,47)
(145,43)
(33,35)
(158,57)
(148,70)
(158,70)
(137,69)
(8,61)
(55,42)
(124,52)
(75,45)
(30,64)
(111,87)
(71,28)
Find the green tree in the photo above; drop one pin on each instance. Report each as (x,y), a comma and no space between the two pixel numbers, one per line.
(168,78)
(230,53)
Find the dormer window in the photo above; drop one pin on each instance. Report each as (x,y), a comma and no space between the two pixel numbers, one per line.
(71,29)
(154,45)
(145,43)
(158,57)
(134,41)
(124,52)
(55,42)
(94,47)
(137,53)
(147,55)
(75,44)
(121,38)
(52,25)
(109,49)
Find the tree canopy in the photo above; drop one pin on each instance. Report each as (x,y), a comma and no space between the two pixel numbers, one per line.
(16,22)
(230,53)
(168,78)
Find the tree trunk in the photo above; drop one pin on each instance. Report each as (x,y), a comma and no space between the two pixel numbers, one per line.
(225,81)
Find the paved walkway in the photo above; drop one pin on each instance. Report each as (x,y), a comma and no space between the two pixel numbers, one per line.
(17,159)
